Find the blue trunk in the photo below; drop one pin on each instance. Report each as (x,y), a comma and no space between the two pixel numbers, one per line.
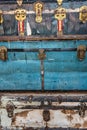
(62,69)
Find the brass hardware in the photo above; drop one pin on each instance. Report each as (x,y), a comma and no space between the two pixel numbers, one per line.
(82,109)
(3,53)
(41,54)
(83,14)
(46,115)
(59,2)
(60,13)
(81,50)
(1,17)
(38,7)
(20,14)
(10,109)
(19,2)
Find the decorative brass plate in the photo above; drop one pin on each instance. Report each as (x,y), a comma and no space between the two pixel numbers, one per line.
(20,14)
(38,7)
(83,14)
(3,53)
(1,17)
(60,13)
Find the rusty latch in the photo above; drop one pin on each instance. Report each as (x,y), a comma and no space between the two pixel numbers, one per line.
(3,53)
(46,115)
(82,109)
(10,109)
(81,50)
(41,54)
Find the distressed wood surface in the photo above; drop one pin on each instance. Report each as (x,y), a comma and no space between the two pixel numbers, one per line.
(62,69)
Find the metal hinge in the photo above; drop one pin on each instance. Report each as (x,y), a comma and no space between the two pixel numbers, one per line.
(3,53)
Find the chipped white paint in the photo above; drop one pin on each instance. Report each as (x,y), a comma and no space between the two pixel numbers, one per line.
(34,117)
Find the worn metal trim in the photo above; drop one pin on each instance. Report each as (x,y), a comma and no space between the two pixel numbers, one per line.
(34,38)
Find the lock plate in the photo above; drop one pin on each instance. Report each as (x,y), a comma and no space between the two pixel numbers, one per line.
(20,14)
(60,13)
(41,54)
(83,14)
(38,7)
(3,53)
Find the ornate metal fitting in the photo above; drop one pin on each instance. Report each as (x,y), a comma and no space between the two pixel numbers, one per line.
(41,54)
(60,13)
(38,7)
(3,53)
(59,2)
(10,109)
(1,17)
(82,109)
(19,2)
(46,115)
(20,14)
(81,50)
(83,14)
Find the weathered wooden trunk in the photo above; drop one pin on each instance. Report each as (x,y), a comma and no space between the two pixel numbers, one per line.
(43,65)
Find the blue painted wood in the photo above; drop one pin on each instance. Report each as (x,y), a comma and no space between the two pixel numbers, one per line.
(66,81)
(63,70)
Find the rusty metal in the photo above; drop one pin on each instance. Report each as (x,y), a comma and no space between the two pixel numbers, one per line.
(10,109)
(46,115)
(41,54)
(35,38)
(82,109)
(83,14)
(81,50)
(43,98)
(3,53)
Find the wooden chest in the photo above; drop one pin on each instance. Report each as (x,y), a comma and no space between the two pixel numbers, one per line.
(43,65)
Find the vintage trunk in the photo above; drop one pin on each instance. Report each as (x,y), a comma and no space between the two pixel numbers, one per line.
(43,64)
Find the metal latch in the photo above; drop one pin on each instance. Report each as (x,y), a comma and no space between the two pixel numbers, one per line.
(10,109)
(38,7)
(3,53)
(81,50)
(42,54)
(1,17)
(20,15)
(83,14)
(82,109)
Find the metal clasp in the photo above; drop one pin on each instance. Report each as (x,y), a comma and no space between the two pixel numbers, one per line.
(81,50)
(82,109)
(3,53)
(83,14)
(42,54)
(38,7)
(1,17)
(10,109)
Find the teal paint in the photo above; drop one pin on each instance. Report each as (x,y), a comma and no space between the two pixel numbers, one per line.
(62,70)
